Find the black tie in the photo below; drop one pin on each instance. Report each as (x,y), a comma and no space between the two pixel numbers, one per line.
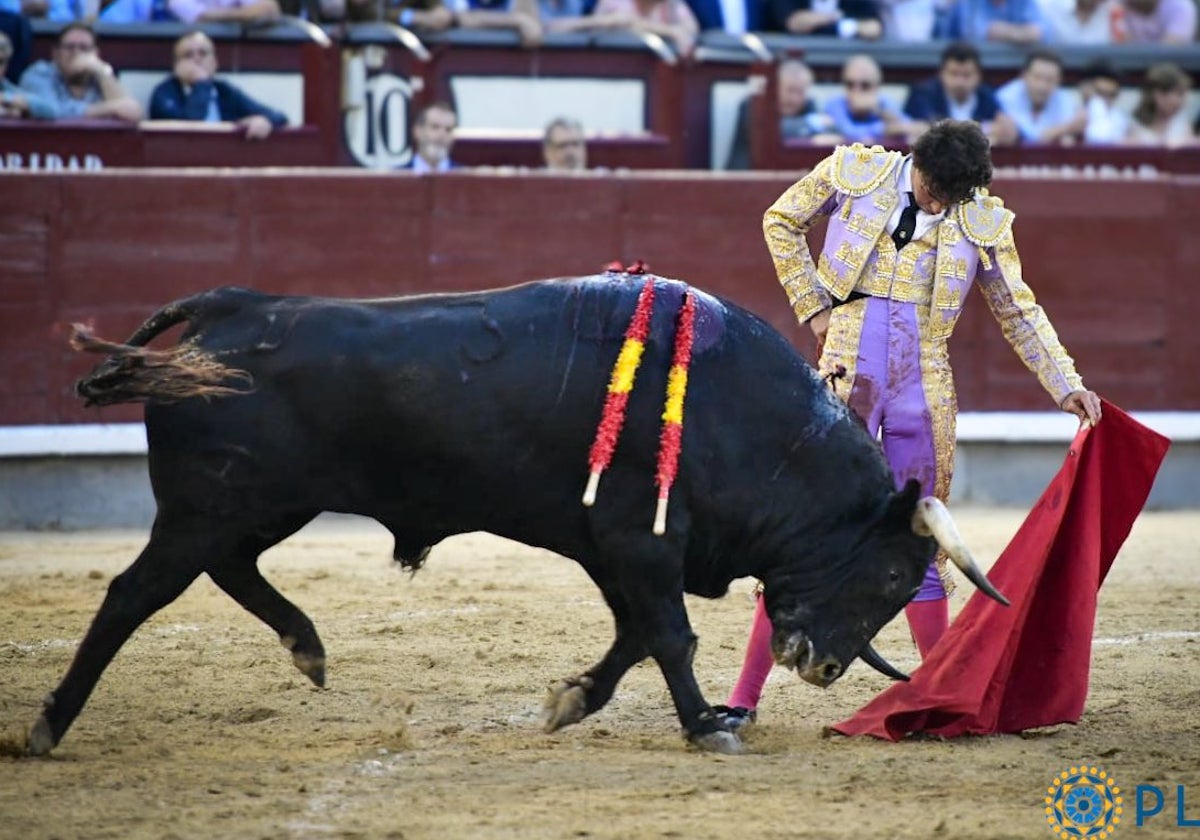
(903,233)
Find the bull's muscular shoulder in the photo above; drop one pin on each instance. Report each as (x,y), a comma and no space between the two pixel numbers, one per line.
(859,169)
(984,220)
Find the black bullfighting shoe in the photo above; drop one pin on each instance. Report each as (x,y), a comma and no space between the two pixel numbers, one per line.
(735,718)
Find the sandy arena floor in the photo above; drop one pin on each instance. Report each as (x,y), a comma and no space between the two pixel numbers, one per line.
(430,726)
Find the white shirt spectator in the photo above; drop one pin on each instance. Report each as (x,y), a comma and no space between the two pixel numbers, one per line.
(1065,25)
(1107,124)
(907,20)
(733,13)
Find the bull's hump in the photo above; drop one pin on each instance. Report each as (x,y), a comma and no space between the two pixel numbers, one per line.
(711,312)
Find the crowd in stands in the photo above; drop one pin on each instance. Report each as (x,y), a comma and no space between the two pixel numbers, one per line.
(1034,107)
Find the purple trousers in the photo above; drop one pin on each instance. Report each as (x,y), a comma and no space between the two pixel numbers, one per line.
(900,383)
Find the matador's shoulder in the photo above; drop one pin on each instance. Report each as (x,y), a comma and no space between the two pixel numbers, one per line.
(859,169)
(984,220)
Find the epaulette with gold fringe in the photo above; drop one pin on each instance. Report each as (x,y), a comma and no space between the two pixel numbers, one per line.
(859,169)
(984,220)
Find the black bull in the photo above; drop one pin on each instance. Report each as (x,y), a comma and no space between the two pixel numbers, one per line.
(438,415)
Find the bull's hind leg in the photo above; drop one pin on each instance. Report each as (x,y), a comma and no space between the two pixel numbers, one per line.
(574,698)
(168,564)
(239,577)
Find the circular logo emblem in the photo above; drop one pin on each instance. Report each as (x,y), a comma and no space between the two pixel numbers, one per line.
(1083,802)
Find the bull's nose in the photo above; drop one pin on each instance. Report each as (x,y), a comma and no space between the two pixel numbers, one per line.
(821,672)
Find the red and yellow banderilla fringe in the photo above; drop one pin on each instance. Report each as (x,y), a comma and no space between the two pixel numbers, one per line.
(671,440)
(620,384)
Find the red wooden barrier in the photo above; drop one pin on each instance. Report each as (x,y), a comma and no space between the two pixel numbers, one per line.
(1108,259)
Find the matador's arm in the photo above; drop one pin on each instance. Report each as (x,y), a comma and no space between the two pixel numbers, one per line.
(1023,321)
(785,224)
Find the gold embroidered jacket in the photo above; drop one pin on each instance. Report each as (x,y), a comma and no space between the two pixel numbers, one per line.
(856,187)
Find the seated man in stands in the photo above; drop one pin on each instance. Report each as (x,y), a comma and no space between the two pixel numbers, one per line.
(234,11)
(520,15)
(425,15)
(1007,21)
(433,134)
(77,82)
(837,18)
(1107,123)
(193,92)
(564,148)
(1039,109)
(799,118)
(957,92)
(1158,22)
(863,114)
(736,17)
(1072,22)
(14,102)
(669,19)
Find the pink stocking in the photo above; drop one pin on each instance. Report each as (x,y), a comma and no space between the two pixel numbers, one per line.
(928,620)
(758,661)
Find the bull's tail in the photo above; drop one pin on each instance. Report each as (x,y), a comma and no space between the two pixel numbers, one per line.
(135,373)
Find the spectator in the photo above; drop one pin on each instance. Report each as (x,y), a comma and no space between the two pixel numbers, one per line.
(235,11)
(193,92)
(433,134)
(426,15)
(838,18)
(1040,110)
(863,114)
(520,15)
(1070,22)
(564,148)
(20,38)
(671,19)
(908,20)
(77,82)
(563,15)
(137,11)
(1106,124)
(14,102)
(1158,22)
(1160,118)
(957,92)
(733,16)
(799,118)
(1006,21)
(25,8)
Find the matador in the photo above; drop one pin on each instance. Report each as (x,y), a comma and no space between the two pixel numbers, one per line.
(907,237)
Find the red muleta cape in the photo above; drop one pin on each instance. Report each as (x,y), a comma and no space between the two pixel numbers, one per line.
(1007,669)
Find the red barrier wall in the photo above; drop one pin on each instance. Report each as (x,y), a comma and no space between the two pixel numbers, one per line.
(111,247)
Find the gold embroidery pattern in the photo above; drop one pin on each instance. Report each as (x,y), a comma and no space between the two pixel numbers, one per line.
(857,169)
(1025,324)
(937,381)
(984,221)
(841,345)
(784,226)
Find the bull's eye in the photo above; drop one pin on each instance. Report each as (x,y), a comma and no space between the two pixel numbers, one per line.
(893,576)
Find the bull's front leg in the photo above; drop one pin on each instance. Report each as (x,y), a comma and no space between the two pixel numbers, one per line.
(672,643)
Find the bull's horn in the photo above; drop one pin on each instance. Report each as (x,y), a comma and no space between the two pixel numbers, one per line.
(872,658)
(931,519)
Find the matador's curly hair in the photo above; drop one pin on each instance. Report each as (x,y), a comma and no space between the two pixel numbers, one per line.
(955,159)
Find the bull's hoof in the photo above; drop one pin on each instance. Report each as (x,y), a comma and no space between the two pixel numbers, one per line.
(725,743)
(566,702)
(311,666)
(41,740)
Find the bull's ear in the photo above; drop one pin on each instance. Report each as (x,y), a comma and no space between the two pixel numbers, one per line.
(903,503)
